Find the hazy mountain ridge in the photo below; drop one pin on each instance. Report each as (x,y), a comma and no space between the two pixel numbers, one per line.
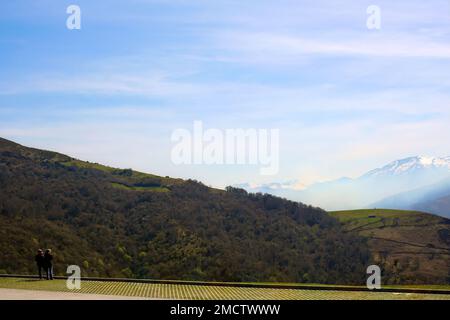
(371,188)
(430,198)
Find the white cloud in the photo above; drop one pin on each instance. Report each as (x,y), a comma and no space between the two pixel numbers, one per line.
(288,49)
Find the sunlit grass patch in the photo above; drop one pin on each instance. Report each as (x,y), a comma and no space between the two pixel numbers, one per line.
(136,188)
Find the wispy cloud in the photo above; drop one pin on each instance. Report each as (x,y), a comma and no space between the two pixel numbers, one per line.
(287,49)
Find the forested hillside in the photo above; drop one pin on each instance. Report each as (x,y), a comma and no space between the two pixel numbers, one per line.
(122,223)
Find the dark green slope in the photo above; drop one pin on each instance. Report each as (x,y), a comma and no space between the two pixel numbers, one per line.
(122,223)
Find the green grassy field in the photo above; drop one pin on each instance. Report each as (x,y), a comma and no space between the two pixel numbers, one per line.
(378,217)
(196,292)
(134,188)
(135,175)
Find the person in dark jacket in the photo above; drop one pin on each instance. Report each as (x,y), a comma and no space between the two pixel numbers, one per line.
(39,258)
(48,264)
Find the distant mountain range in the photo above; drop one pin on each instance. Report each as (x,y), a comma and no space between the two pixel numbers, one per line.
(414,183)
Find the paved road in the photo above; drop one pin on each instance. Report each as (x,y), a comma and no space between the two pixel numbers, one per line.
(20,294)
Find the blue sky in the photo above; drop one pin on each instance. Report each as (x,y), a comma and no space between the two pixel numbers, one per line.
(346,99)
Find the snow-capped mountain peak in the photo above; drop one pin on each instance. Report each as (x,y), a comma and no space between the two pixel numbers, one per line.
(408,165)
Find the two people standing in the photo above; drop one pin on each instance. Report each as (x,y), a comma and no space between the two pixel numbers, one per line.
(44,262)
